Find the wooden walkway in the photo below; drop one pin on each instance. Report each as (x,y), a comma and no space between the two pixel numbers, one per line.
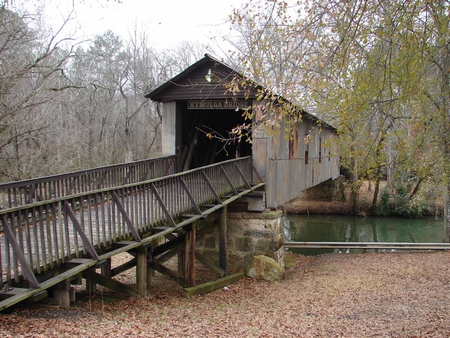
(54,230)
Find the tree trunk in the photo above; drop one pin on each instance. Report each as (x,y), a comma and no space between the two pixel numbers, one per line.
(447,213)
(446,178)
(378,169)
(375,194)
(415,189)
(354,186)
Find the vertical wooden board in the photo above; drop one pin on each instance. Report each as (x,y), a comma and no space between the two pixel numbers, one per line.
(271,184)
(297,183)
(282,181)
(260,157)
(168,128)
(281,143)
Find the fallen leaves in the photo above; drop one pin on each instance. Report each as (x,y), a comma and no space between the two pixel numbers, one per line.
(355,295)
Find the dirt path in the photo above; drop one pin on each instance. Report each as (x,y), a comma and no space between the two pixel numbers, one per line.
(336,295)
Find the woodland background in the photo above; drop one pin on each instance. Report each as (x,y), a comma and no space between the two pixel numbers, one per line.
(378,71)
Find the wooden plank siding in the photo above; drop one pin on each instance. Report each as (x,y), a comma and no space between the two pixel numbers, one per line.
(288,173)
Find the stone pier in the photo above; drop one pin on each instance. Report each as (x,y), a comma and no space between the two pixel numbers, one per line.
(249,234)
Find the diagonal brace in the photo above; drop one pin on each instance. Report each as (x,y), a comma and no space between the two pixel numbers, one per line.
(125,216)
(90,248)
(242,175)
(208,182)
(191,198)
(163,206)
(229,180)
(19,254)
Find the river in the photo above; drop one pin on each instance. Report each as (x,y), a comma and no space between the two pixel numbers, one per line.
(333,228)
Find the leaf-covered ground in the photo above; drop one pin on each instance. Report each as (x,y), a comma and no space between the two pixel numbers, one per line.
(337,295)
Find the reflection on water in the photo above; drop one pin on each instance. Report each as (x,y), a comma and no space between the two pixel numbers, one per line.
(332,228)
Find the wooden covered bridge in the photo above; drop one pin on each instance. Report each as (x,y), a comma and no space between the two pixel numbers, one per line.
(56,230)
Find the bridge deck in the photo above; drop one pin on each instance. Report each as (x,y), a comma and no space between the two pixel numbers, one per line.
(39,239)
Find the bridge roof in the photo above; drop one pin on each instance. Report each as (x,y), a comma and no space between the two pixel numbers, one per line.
(191,84)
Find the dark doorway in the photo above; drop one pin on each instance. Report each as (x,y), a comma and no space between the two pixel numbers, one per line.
(197,149)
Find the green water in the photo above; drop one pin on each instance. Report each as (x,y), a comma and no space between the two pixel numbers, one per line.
(332,228)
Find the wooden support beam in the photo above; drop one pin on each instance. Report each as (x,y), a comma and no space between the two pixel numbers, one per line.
(110,283)
(181,259)
(223,238)
(44,285)
(189,255)
(209,264)
(104,265)
(61,292)
(150,270)
(168,245)
(106,268)
(91,286)
(11,292)
(169,273)
(168,255)
(39,296)
(141,271)
(124,267)
(211,286)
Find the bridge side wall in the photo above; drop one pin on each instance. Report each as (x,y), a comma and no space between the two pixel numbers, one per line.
(290,166)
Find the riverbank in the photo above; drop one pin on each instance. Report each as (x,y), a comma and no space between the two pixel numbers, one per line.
(317,202)
(349,295)
(323,200)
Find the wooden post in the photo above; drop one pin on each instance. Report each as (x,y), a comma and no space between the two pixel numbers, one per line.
(189,254)
(91,286)
(141,271)
(150,270)
(106,268)
(181,262)
(223,224)
(61,292)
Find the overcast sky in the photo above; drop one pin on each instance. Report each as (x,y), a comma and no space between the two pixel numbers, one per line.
(167,22)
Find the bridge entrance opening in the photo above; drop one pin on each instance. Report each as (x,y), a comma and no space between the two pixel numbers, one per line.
(205,136)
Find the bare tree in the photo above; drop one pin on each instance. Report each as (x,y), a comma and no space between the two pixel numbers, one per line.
(31,76)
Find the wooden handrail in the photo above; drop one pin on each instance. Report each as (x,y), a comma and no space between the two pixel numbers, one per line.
(46,234)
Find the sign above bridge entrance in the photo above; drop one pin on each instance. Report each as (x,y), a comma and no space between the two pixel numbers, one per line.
(219,104)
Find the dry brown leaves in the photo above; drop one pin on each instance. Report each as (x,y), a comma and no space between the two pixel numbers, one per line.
(338,295)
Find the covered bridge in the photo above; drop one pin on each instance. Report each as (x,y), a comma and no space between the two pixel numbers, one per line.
(200,111)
